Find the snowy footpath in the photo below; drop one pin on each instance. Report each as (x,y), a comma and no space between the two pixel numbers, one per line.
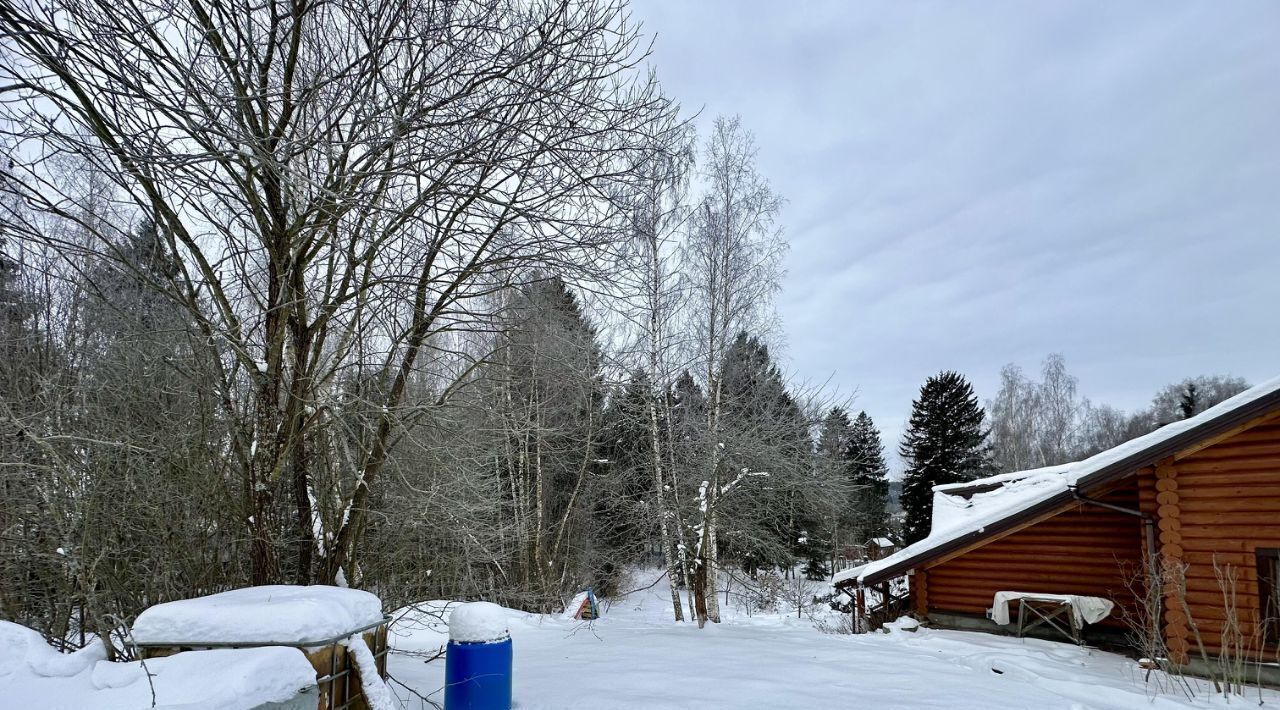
(636,657)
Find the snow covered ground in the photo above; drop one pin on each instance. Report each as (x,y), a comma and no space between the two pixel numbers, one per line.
(636,657)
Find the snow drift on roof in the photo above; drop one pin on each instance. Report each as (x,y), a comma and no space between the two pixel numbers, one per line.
(277,614)
(955,516)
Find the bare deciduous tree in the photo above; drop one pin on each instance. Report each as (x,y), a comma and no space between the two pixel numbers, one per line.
(341,185)
(734,256)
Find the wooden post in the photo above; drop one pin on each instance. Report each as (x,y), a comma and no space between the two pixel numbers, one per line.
(860,610)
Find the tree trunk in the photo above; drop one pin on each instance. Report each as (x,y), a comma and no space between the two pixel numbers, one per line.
(668,550)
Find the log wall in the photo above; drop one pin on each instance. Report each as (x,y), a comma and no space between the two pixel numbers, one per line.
(1084,550)
(1219,505)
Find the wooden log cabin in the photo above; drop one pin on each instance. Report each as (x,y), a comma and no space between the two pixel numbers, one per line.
(1202,494)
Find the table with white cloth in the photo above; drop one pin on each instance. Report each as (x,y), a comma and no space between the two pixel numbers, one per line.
(1050,609)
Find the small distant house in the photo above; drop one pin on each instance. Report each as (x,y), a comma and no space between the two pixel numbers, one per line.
(1193,507)
(879,548)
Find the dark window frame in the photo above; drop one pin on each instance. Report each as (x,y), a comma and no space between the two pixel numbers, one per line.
(1268,567)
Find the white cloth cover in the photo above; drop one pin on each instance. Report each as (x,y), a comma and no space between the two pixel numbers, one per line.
(1086,610)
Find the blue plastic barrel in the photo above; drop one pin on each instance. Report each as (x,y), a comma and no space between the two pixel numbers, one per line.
(477,676)
(477,661)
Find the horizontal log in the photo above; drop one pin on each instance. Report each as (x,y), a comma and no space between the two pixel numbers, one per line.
(1235,478)
(1193,540)
(1236,464)
(1060,525)
(1167,498)
(1265,496)
(1255,448)
(1270,506)
(1234,518)
(1169,511)
(1118,544)
(1099,586)
(1223,557)
(1216,613)
(1166,484)
(984,597)
(1086,530)
(1092,568)
(1202,578)
(1170,537)
(1211,631)
(1197,598)
(1169,524)
(988,589)
(1066,549)
(1239,532)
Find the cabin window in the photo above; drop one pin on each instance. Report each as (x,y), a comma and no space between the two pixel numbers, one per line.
(1269,592)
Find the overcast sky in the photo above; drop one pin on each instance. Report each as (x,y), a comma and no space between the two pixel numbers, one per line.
(976,183)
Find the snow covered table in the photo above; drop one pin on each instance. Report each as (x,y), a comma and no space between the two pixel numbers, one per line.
(343,632)
(1050,608)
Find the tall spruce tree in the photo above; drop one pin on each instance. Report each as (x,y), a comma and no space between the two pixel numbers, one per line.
(865,464)
(767,436)
(622,525)
(945,442)
(833,436)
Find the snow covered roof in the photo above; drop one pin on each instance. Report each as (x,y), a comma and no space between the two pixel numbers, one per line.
(882,542)
(276,614)
(965,513)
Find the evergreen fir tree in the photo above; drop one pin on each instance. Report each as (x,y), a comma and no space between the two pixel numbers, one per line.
(1190,403)
(622,525)
(945,442)
(864,456)
(833,436)
(766,430)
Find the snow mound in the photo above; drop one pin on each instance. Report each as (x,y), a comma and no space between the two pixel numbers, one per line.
(37,676)
(278,614)
(478,622)
(24,650)
(217,678)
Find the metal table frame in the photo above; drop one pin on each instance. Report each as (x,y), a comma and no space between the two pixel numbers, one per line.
(1049,612)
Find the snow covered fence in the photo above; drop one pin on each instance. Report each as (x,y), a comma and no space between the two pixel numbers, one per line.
(478,659)
(342,632)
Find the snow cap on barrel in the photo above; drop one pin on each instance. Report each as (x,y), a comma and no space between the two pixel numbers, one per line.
(478,622)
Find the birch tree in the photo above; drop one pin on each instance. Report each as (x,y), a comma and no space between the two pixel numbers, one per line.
(656,218)
(734,264)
